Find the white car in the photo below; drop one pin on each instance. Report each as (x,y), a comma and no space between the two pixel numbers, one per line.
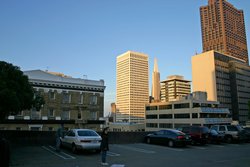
(82,139)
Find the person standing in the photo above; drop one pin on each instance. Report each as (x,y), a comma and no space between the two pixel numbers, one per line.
(59,135)
(104,145)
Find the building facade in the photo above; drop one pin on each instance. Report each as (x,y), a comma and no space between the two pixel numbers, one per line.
(193,109)
(223,29)
(131,87)
(225,79)
(78,103)
(174,87)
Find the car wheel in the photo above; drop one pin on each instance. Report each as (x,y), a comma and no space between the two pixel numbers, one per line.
(74,149)
(148,140)
(229,139)
(170,143)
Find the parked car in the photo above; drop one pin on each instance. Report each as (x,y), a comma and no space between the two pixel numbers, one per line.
(231,132)
(215,137)
(81,139)
(247,133)
(170,137)
(198,134)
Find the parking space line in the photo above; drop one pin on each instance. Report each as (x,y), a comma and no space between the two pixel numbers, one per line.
(174,149)
(218,146)
(136,149)
(59,154)
(63,152)
(112,154)
(196,147)
(168,148)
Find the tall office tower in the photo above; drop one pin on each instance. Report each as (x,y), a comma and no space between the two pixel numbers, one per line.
(156,87)
(131,87)
(225,79)
(174,87)
(223,29)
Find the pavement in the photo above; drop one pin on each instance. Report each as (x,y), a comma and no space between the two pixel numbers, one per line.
(135,155)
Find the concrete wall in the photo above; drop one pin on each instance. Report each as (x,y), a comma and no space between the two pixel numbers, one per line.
(27,138)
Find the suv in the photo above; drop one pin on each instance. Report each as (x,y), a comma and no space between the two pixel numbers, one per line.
(231,132)
(198,134)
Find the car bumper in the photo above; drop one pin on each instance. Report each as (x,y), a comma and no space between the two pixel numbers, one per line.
(88,146)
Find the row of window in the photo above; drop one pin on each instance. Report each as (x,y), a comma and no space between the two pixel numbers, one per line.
(186,116)
(66,98)
(179,106)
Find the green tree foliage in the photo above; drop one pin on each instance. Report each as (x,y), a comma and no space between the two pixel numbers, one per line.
(16,94)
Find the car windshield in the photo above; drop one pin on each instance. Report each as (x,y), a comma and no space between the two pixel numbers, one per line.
(214,132)
(86,133)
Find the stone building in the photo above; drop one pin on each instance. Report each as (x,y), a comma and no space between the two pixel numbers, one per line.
(75,102)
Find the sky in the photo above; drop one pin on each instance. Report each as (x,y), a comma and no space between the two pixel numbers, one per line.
(82,38)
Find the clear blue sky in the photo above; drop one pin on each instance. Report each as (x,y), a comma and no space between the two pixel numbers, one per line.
(84,37)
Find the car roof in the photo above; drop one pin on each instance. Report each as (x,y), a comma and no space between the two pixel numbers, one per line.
(82,129)
(173,130)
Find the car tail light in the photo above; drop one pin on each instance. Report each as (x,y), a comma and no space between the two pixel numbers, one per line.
(180,137)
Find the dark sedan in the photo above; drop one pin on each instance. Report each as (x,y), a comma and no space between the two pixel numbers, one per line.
(247,133)
(170,137)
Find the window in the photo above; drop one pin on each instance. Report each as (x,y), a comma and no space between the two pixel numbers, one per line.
(93,115)
(80,99)
(181,116)
(222,128)
(165,116)
(148,108)
(232,128)
(151,116)
(194,115)
(35,114)
(182,105)
(164,125)
(51,112)
(66,98)
(52,95)
(165,107)
(152,125)
(79,115)
(93,100)
(65,115)
(195,105)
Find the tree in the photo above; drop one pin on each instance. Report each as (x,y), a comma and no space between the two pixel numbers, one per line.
(16,94)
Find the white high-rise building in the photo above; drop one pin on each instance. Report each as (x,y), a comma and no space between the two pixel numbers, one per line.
(131,87)
(156,87)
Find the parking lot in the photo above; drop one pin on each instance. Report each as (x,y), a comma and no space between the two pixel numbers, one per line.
(136,155)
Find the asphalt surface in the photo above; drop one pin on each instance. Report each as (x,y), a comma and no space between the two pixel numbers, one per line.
(136,155)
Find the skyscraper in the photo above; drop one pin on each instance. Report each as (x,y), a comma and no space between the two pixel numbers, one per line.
(223,29)
(131,87)
(156,87)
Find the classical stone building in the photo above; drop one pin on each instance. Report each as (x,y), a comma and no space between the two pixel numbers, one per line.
(75,102)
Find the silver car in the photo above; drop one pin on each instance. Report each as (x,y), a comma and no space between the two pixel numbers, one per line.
(82,139)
